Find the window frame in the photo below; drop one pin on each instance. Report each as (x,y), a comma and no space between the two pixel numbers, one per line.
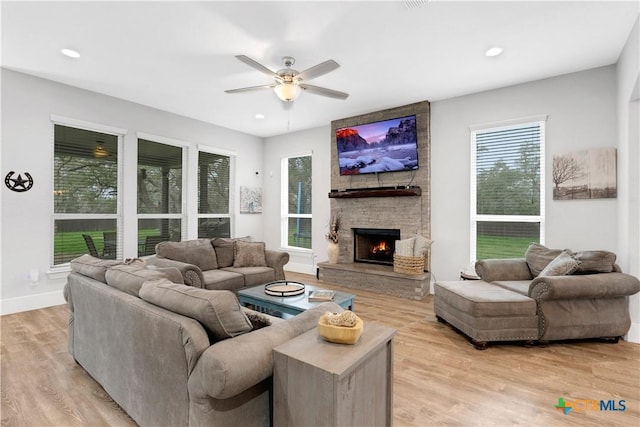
(232,165)
(184,197)
(474,217)
(119,133)
(284,205)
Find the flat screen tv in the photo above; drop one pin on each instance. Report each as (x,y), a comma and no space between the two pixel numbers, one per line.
(384,146)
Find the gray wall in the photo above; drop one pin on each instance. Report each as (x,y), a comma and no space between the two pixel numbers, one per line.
(581,114)
(581,110)
(27,146)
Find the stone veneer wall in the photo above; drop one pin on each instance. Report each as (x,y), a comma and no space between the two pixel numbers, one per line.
(411,215)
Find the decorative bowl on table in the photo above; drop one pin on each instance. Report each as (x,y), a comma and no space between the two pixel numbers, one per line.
(340,334)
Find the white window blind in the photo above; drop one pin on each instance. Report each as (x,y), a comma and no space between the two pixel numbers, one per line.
(297,201)
(214,219)
(507,189)
(85,195)
(160,194)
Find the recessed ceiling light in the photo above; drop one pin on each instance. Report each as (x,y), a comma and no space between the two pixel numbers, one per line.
(259,116)
(70,53)
(494,51)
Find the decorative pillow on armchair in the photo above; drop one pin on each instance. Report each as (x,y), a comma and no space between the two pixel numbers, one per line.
(561,265)
(249,254)
(539,256)
(595,261)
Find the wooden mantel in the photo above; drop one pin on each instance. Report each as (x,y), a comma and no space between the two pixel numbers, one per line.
(376,192)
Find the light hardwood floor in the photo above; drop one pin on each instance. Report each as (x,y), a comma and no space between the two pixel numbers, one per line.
(439,378)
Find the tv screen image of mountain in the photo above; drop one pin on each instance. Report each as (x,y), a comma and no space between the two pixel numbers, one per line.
(383,146)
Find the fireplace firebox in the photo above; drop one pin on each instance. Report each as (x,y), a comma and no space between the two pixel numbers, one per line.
(374,245)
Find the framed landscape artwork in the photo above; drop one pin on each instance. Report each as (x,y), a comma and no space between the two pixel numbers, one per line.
(587,174)
(250,200)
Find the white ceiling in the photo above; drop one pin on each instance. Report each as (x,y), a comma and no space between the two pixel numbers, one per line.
(179,56)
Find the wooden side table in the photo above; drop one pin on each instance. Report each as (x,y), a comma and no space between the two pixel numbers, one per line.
(318,383)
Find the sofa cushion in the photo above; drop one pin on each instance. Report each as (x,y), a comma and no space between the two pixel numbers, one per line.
(595,261)
(225,249)
(129,278)
(222,279)
(93,267)
(218,311)
(254,275)
(561,265)
(249,254)
(539,256)
(198,252)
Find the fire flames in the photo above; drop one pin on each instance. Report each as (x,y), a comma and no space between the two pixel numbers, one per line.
(380,247)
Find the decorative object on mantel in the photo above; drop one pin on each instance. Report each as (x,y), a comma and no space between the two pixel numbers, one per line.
(284,288)
(333,249)
(340,328)
(410,255)
(586,174)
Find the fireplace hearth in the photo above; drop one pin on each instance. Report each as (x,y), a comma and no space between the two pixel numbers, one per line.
(374,245)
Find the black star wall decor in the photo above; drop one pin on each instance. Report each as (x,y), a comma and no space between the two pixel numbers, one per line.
(18,184)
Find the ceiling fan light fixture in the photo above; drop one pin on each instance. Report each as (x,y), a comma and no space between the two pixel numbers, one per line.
(288,91)
(99,151)
(70,53)
(494,51)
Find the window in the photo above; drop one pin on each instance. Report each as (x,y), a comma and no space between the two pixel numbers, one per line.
(507,189)
(160,201)
(214,218)
(85,195)
(297,194)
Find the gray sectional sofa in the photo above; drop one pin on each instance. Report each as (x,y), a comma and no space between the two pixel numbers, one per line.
(221,263)
(549,295)
(171,354)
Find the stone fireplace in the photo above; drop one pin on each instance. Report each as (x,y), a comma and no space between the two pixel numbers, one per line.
(374,245)
(398,201)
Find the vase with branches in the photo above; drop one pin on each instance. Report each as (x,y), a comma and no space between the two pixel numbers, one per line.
(333,236)
(334,228)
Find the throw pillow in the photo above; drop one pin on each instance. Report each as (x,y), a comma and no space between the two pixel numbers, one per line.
(595,261)
(198,252)
(219,312)
(421,246)
(249,254)
(561,265)
(129,278)
(539,256)
(93,267)
(405,247)
(225,249)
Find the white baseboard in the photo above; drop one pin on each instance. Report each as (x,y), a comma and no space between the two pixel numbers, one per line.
(31,302)
(634,333)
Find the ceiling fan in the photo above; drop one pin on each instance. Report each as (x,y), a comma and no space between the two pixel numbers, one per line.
(289,83)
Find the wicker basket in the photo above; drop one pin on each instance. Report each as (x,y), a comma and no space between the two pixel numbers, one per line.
(408,264)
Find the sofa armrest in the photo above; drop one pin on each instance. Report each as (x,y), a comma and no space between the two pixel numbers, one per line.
(277,260)
(232,366)
(587,286)
(491,270)
(191,273)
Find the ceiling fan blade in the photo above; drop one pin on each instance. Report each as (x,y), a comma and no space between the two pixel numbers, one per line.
(258,66)
(250,88)
(318,70)
(317,90)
